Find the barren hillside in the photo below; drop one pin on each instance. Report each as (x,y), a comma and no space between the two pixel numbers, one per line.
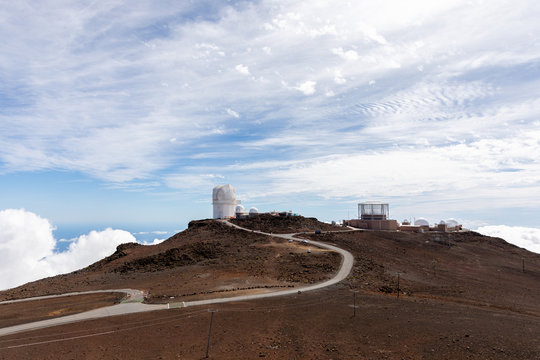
(461,296)
(463,267)
(206,259)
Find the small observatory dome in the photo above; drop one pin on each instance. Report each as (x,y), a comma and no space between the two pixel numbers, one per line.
(442,222)
(421,222)
(253,211)
(452,222)
(240,209)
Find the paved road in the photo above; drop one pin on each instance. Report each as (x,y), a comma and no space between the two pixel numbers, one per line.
(130,304)
(131,295)
(134,297)
(345,269)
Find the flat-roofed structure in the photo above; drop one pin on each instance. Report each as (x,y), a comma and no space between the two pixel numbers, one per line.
(373,215)
(373,210)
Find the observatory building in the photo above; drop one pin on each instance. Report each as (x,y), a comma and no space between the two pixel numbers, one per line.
(373,210)
(224,202)
(422,225)
(373,215)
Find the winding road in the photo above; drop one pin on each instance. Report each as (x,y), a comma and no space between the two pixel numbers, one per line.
(133,301)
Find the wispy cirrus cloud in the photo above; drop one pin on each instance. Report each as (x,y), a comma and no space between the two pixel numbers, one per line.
(431,97)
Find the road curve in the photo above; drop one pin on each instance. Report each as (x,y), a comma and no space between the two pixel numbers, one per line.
(346,266)
(132,304)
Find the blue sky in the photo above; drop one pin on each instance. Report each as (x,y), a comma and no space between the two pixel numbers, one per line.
(126,114)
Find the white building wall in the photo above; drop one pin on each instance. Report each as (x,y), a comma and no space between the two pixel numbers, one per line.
(222,211)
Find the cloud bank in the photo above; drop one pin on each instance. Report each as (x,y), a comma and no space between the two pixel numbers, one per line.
(528,238)
(27,248)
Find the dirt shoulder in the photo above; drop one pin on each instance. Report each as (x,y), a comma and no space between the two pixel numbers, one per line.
(30,311)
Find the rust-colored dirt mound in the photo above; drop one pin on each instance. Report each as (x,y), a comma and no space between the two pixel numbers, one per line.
(208,258)
(284,224)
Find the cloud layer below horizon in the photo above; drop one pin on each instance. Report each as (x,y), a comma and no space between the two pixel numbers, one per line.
(527,238)
(27,246)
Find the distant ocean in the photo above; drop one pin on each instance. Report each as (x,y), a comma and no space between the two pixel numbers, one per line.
(145,234)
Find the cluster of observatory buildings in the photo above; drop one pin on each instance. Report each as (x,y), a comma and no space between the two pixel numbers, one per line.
(226,206)
(371,215)
(374,215)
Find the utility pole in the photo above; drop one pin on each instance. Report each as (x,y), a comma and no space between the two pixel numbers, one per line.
(354,305)
(209,333)
(522,265)
(398,286)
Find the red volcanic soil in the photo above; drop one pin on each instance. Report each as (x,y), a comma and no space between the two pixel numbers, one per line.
(36,310)
(463,267)
(318,325)
(461,296)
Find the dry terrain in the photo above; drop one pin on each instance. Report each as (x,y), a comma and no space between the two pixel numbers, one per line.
(25,312)
(317,325)
(208,259)
(461,296)
(463,267)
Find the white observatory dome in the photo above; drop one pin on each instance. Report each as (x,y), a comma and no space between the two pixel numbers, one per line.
(452,222)
(240,209)
(421,222)
(224,193)
(253,210)
(224,201)
(442,222)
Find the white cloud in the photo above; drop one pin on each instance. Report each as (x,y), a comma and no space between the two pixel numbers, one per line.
(87,249)
(307,87)
(27,248)
(233,113)
(338,77)
(349,55)
(155,242)
(242,69)
(463,176)
(525,237)
(190,181)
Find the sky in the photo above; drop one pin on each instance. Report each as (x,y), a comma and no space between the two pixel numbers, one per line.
(122,116)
